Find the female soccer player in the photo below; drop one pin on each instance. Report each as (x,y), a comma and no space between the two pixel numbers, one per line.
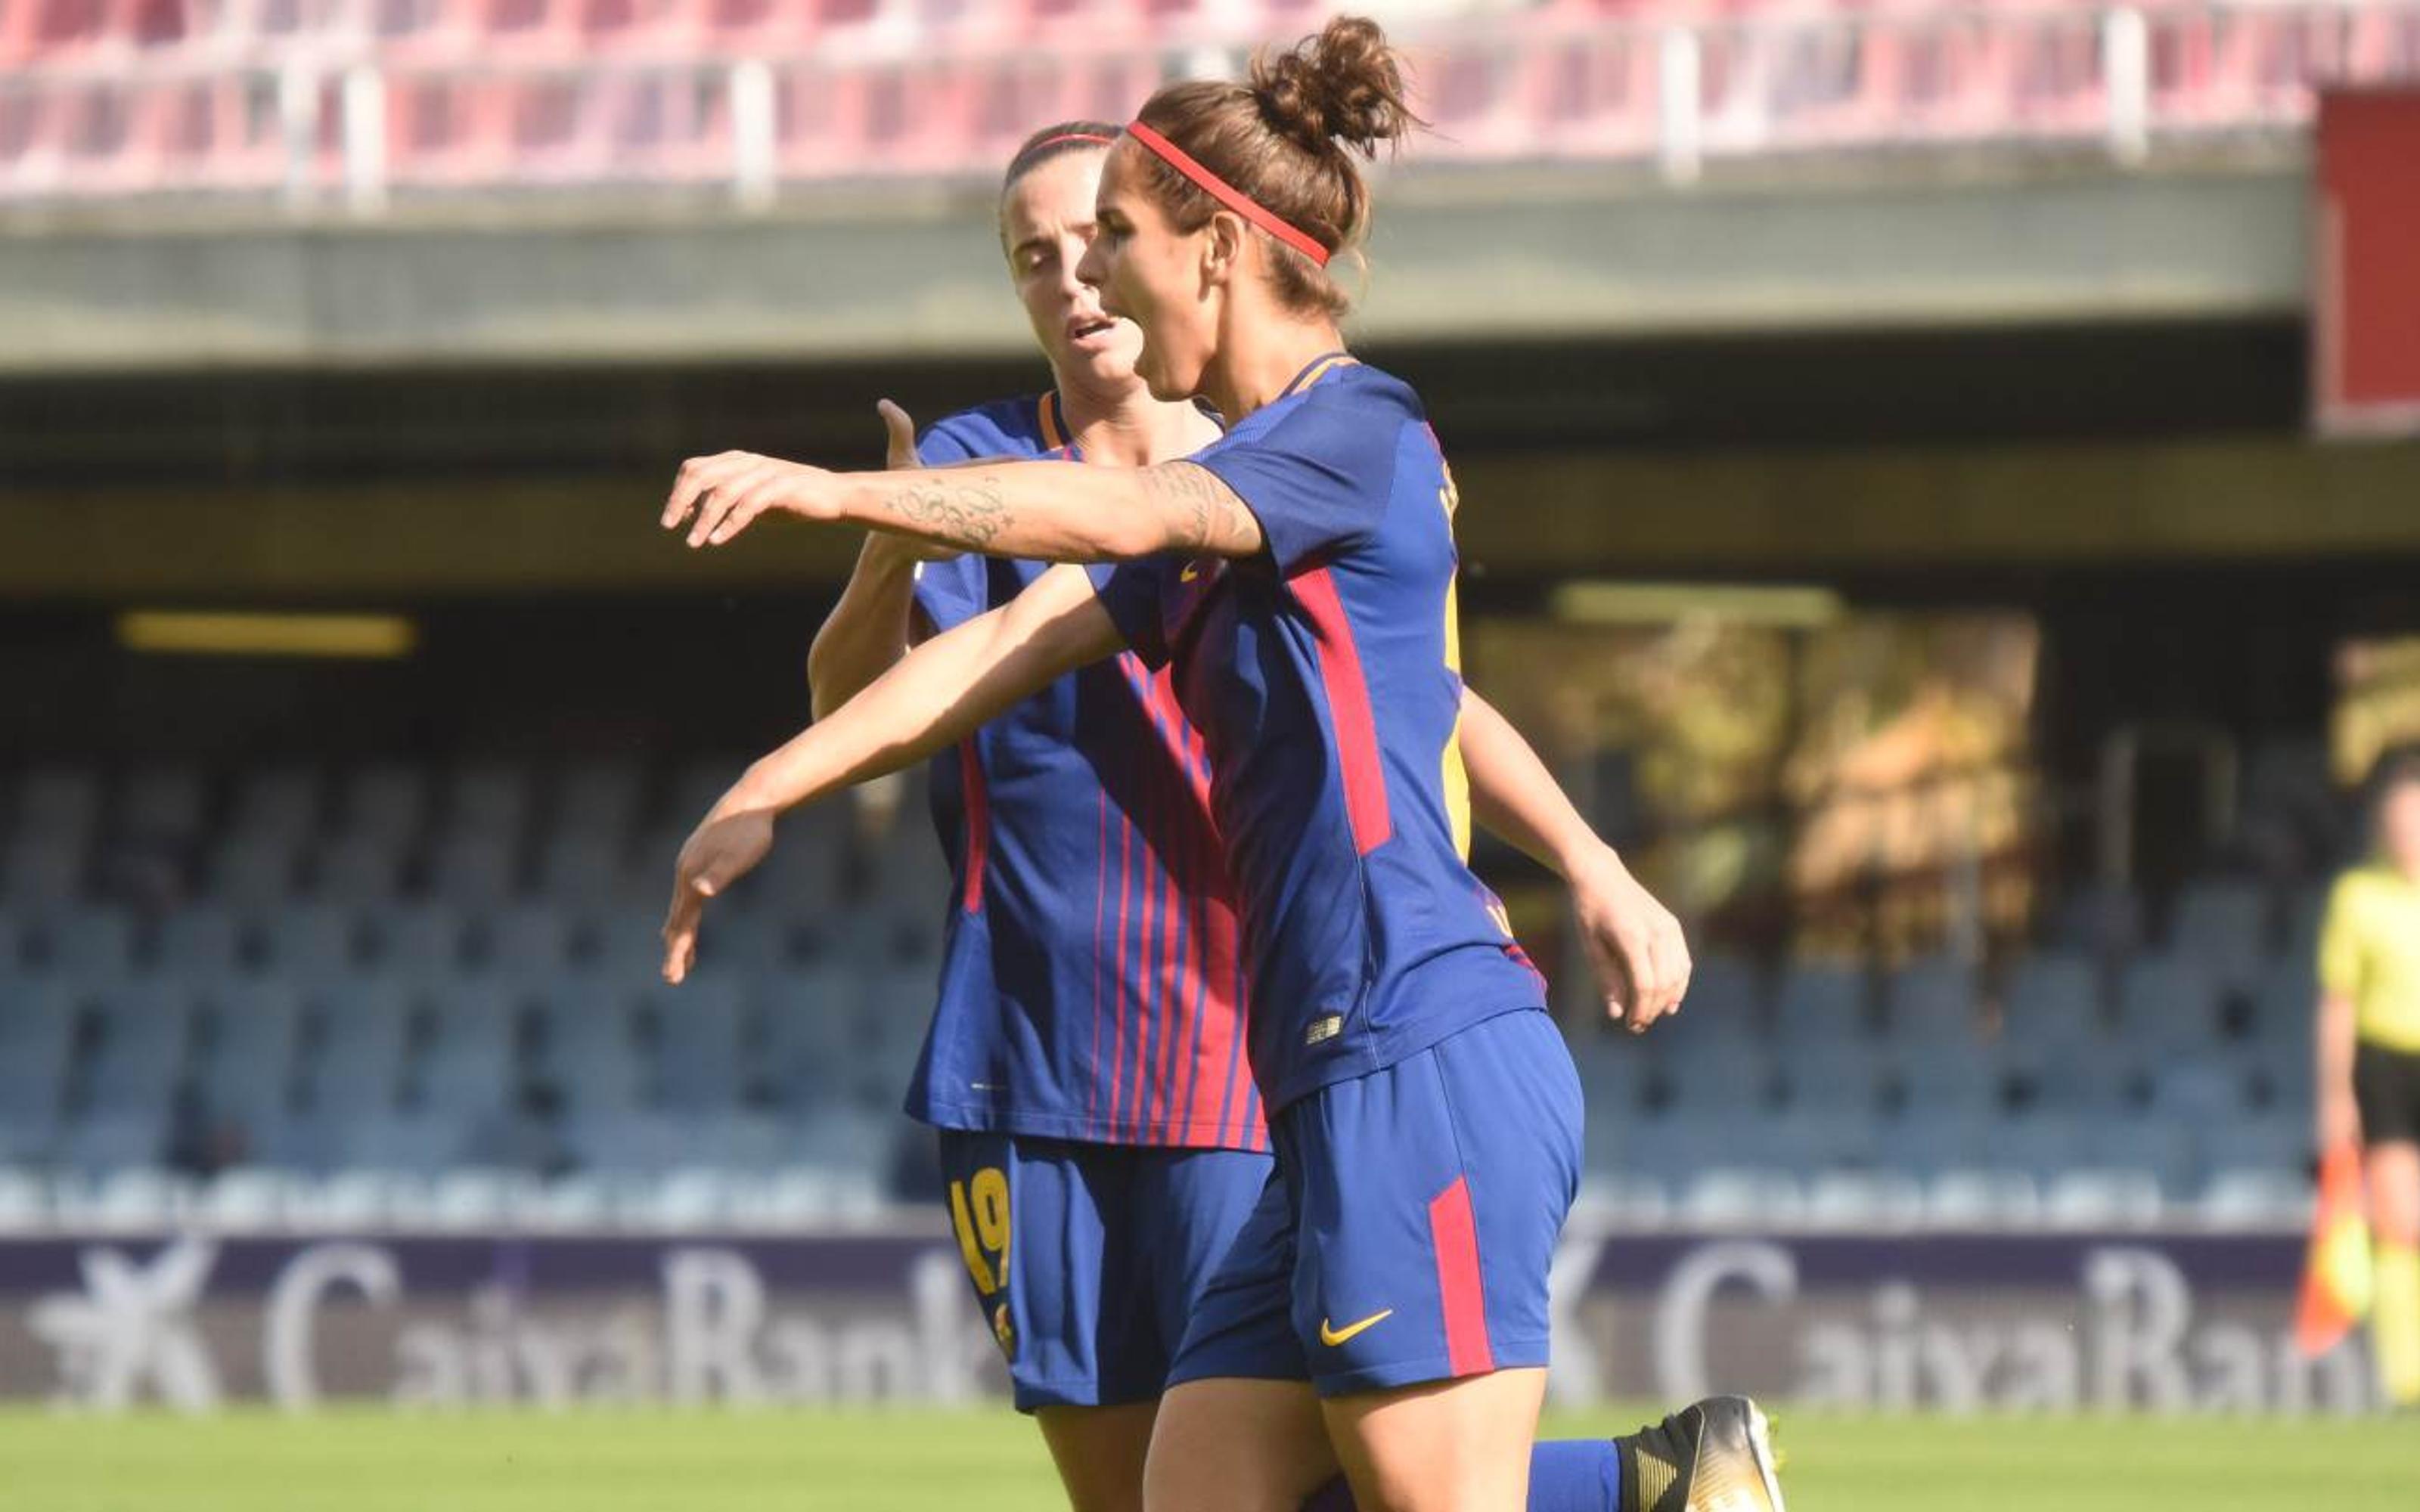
(2369,1053)
(1423,1111)
(1084,1062)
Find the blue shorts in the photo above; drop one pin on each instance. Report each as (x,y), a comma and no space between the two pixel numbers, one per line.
(1410,1228)
(1087,1258)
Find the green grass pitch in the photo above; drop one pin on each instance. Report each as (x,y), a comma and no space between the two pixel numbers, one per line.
(650,1461)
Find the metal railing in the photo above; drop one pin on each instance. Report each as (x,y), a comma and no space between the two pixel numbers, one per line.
(330,116)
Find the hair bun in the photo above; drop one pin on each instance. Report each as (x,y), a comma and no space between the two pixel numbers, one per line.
(1345,85)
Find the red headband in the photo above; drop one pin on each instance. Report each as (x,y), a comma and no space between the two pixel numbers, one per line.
(1070,136)
(1228,194)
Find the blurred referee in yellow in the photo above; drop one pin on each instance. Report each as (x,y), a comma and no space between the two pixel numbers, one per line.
(2369,1057)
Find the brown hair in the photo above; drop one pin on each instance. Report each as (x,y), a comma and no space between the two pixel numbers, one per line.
(1057,141)
(1285,137)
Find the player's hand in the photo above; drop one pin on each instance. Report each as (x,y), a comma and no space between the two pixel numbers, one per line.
(720,496)
(1641,961)
(725,848)
(899,453)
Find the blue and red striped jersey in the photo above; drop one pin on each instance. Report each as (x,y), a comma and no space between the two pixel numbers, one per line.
(1091,986)
(1324,675)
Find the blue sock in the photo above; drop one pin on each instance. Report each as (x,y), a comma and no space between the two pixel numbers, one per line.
(1576,1475)
(1565,1475)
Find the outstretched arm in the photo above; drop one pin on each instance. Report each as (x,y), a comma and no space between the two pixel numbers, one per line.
(1045,511)
(1636,944)
(937,693)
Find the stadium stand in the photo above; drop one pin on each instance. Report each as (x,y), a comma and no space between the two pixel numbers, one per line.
(134,98)
(468,1043)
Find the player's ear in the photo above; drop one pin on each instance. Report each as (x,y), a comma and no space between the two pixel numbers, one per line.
(1222,249)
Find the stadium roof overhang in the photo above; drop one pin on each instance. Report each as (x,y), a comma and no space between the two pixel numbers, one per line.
(1556,253)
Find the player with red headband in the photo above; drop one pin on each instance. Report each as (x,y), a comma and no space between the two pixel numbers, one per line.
(1384,1310)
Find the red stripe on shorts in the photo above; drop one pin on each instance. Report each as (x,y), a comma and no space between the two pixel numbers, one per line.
(1456,1239)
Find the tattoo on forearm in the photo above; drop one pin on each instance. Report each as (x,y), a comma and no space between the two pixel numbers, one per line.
(1203,512)
(967,512)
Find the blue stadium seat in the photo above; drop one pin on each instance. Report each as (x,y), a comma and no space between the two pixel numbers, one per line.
(2222,926)
(1739,1081)
(646,880)
(1928,1141)
(255,1030)
(2084,1082)
(2169,1005)
(1969,1079)
(37,1026)
(1673,1146)
(1614,1071)
(1814,1139)
(145,1032)
(2052,1007)
(405,1142)
(488,798)
(312,943)
(1933,1001)
(599,799)
(2103,920)
(1726,987)
(2285,1001)
(592,1053)
(111,1138)
(199,942)
(387,801)
(255,871)
(1845,1076)
(59,803)
(1819,1002)
(42,872)
(358,869)
(474,869)
(809,1035)
(31,1101)
(2267,1142)
(2306,911)
(627,948)
(2161,1148)
(279,803)
(695,787)
(470,1063)
(364,1038)
(164,803)
(419,942)
(525,942)
(582,869)
(807,872)
(2213,1084)
(2041,1145)
(696,1031)
(87,944)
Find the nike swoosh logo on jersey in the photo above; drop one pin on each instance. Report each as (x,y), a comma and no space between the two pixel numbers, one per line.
(1334,1337)
(1193,570)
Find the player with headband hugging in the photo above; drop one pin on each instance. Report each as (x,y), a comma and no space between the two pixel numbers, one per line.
(1382,1310)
